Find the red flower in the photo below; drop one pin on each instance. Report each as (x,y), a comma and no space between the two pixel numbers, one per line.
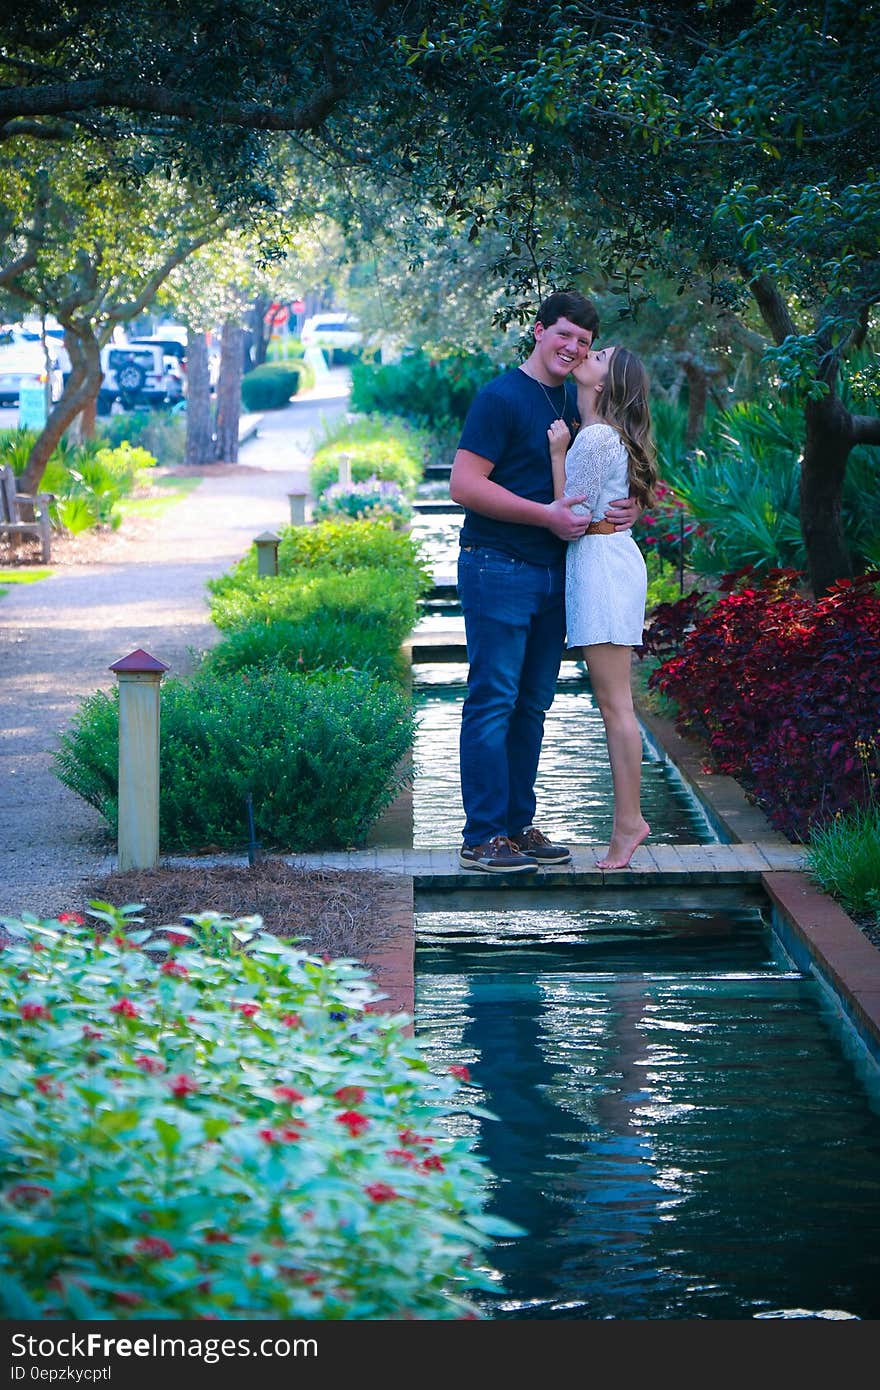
(249,1009)
(90,1032)
(125,1009)
(48,1087)
(37,946)
(409,1136)
(351,1095)
(28,1192)
(178,938)
(405,1155)
(288,1093)
(154,1246)
(354,1122)
(461,1072)
(217,1238)
(291,1133)
(380,1192)
(128,1300)
(183,1085)
(292,1021)
(173,967)
(31,1011)
(70,917)
(151,1065)
(431,1163)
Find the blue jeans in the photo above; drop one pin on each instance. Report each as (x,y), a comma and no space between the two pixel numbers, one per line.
(514,616)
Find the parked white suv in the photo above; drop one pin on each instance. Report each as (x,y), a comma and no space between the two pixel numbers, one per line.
(332,329)
(139,373)
(23,363)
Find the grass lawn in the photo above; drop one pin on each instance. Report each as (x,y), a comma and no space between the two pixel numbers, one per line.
(164,491)
(20,576)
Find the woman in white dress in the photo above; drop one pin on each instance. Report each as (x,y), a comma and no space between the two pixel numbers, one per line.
(605,579)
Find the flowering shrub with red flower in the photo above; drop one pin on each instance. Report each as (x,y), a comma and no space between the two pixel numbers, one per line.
(785,691)
(217,1162)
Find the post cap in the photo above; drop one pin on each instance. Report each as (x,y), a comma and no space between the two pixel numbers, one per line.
(267,536)
(139,661)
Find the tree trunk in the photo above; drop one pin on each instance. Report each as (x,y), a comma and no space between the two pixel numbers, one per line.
(698,395)
(88,416)
(199,430)
(81,388)
(229,391)
(260,332)
(828,441)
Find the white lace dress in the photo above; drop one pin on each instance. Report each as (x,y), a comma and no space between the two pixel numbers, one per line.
(605,577)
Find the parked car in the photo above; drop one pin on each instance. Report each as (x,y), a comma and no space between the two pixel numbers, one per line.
(172,347)
(333,330)
(23,363)
(139,373)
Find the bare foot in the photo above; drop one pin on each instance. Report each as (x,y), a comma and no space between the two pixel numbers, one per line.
(620,851)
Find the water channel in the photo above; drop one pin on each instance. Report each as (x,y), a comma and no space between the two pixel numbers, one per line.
(685,1126)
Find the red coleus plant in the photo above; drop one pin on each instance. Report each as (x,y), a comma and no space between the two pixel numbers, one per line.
(785,690)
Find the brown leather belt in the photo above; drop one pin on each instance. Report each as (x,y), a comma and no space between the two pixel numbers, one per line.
(600,528)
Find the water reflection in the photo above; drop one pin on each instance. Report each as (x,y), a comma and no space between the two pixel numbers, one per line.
(574,778)
(678,1142)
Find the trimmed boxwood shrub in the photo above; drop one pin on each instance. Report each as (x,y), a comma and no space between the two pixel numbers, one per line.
(319,642)
(319,753)
(271,385)
(341,546)
(207,1122)
(363,596)
(392,459)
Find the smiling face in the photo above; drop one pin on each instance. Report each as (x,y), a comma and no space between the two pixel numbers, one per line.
(560,347)
(593,370)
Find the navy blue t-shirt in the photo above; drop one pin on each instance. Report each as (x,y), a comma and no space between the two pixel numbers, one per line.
(507,424)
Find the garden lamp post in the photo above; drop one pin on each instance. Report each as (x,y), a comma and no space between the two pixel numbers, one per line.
(297,502)
(267,553)
(139,676)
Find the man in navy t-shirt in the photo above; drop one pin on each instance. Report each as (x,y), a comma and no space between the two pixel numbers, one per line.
(511,581)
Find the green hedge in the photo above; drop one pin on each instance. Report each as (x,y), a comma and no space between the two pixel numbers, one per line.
(363,595)
(270,386)
(431,391)
(320,641)
(339,545)
(389,459)
(318,752)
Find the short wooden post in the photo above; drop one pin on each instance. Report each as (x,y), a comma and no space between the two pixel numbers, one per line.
(267,553)
(344,469)
(297,502)
(139,676)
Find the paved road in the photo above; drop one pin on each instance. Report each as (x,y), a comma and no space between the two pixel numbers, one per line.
(58,638)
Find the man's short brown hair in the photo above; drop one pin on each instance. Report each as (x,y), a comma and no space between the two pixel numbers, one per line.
(571,305)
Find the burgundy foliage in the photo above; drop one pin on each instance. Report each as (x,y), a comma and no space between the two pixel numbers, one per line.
(784,689)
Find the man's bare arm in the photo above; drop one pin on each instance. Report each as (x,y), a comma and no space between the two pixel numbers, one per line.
(471,486)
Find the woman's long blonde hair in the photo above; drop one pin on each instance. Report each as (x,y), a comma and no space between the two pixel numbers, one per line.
(623,403)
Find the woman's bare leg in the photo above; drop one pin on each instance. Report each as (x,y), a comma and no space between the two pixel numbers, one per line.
(610,676)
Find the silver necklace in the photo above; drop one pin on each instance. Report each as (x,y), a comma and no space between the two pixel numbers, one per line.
(557,414)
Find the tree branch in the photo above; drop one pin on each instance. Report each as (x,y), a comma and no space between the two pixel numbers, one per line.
(774,310)
(865,429)
(16,268)
(64,97)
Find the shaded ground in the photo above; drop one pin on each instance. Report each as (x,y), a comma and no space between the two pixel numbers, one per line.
(330,910)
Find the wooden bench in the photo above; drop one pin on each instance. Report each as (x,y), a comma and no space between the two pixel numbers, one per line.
(13,503)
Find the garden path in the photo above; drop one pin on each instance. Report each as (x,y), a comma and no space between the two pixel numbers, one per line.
(141,587)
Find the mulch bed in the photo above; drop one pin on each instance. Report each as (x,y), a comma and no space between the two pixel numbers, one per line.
(334,911)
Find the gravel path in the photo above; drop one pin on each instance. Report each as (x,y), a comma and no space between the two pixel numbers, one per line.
(143,587)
